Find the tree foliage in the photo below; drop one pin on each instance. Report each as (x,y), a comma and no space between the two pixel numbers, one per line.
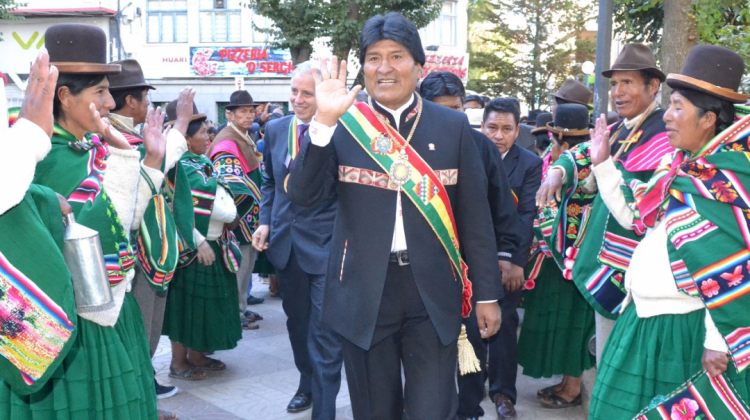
(7,6)
(517,46)
(719,22)
(296,23)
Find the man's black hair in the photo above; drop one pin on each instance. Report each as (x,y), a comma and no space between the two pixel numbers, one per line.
(476,98)
(723,109)
(503,105)
(442,83)
(119,95)
(393,26)
(647,77)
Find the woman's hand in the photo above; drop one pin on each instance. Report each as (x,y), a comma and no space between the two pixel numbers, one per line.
(154,139)
(184,110)
(40,93)
(715,362)
(550,189)
(330,92)
(599,149)
(64,205)
(111,136)
(206,255)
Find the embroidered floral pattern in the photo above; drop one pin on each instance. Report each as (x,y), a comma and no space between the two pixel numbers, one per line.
(686,409)
(724,191)
(710,288)
(574,210)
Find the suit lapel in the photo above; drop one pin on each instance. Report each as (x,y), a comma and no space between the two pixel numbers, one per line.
(511,160)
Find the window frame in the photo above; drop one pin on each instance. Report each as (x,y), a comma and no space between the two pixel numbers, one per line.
(161,13)
(213,12)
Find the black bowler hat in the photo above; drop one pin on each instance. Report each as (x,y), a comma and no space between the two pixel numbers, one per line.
(570,120)
(713,70)
(172,113)
(574,93)
(533,115)
(541,122)
(78,48)
(635,57)
(240,98)
(131,76)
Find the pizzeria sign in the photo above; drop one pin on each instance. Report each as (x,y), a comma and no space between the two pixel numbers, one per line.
(239,61)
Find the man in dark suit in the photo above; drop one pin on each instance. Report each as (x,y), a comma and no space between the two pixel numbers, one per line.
(296,240)
(524,170)
(445,88)
(393,291)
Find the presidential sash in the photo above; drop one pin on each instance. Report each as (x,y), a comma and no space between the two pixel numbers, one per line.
(418,181)
(293,142)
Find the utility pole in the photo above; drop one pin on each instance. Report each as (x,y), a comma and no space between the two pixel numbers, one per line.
(603,56)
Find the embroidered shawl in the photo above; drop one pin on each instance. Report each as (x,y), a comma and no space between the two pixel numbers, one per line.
(38,321)
(608,247)
(76,170)
(704,202)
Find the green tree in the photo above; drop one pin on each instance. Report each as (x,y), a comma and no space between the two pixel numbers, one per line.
(296,23)
(517,46)
(719,22)
(7,6)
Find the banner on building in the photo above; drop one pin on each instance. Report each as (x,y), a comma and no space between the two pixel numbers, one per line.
(457,64)
(239,62)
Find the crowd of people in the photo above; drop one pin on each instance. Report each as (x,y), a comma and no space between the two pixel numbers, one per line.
(401,240)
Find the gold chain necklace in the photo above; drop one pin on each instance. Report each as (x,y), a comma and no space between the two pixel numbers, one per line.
(400,171)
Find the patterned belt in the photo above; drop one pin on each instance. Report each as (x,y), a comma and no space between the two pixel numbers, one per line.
(381,180)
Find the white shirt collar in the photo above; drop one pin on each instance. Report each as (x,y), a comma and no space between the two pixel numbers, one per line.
(397,113)
(505,154)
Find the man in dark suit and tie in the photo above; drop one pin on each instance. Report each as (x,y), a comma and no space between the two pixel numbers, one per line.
(524,169)
(445,88)
(296,240)
(411,192)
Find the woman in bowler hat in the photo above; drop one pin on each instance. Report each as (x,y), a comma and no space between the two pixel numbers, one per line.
(558,323)
(110,374)
(685,278)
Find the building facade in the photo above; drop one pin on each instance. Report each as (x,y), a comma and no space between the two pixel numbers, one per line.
(210,45)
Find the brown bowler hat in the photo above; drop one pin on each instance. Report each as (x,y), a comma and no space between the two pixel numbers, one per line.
(78,48)
(240,98)
(711,69)
(575,93)
(172,113)
(635,57)
(541,122)
(570,120)
(131,76)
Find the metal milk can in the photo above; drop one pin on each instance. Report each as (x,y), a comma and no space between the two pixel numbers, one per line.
(85,259)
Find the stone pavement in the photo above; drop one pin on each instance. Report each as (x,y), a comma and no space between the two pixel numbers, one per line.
(261,379)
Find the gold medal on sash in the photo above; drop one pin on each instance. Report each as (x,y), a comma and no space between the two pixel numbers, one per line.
(401,170)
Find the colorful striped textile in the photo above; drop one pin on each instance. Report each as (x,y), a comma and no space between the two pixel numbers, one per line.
(706,207)
(33,327)
(701,398)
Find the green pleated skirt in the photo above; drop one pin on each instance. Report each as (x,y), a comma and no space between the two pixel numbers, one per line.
(104,376)
(201,311)
(557,327)
(646,357)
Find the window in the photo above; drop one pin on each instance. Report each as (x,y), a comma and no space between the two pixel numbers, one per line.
(220,21)
(442,31)
(261,22)
(167,21)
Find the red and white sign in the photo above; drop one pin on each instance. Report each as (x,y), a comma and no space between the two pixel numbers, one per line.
(457,64)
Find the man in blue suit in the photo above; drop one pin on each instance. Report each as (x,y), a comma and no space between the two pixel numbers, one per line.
(296,240)
(524,170)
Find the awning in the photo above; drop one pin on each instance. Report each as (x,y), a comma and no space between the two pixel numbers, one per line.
(85,11)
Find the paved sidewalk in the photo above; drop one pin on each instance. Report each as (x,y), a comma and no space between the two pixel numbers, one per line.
(261,378)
